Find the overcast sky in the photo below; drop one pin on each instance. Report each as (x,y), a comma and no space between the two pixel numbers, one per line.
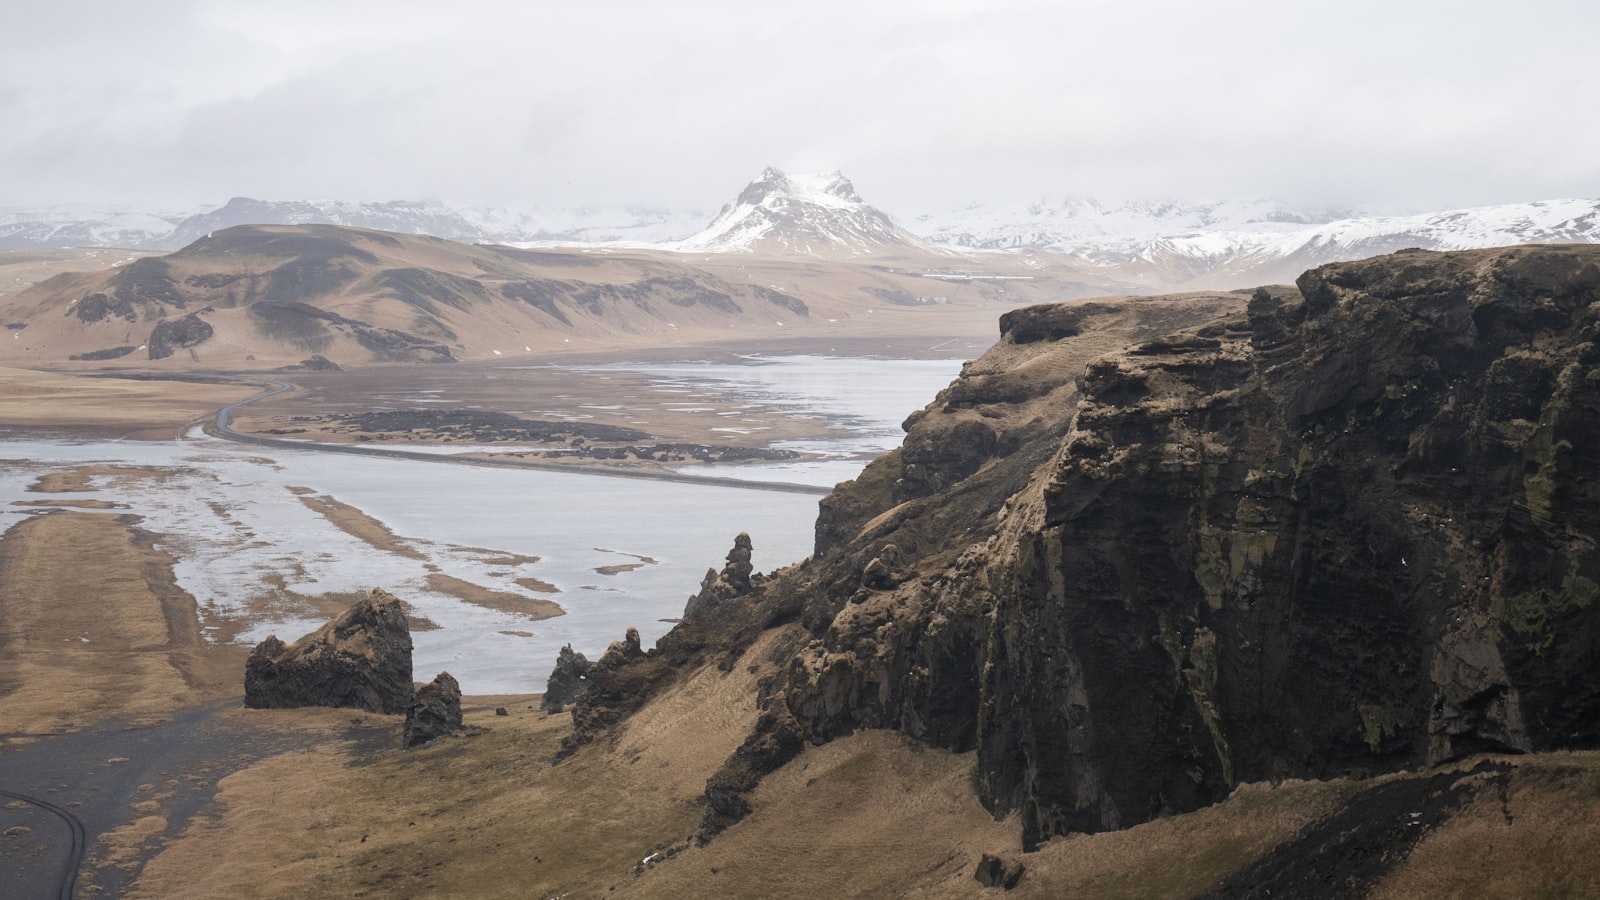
(677,104)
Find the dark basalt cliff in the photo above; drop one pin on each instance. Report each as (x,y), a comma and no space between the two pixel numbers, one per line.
(1144,551)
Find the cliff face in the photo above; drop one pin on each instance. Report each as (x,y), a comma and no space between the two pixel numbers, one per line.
(1350,528)
(1348,531)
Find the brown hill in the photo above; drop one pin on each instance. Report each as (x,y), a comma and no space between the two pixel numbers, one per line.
(264,296)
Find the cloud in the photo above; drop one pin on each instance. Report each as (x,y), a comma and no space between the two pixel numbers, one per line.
(1420,105)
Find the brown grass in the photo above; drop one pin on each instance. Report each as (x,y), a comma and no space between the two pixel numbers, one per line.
(504,601)
(82,642)
(498,557)
(72,504)
(1539,838)
(358,524)
(479,815)
(21,269)
(156,409)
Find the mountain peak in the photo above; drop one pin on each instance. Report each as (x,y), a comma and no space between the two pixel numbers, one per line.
(817,215)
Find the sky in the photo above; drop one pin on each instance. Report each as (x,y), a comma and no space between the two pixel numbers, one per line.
(927,105)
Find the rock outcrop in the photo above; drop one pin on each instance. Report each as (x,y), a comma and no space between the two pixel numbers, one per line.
(567,680)
(1344,529)
(171,335)
(993,871)
(360,659)
(435,711)
(733,581)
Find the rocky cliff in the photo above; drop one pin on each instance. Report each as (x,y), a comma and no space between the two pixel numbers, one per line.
(1143,552)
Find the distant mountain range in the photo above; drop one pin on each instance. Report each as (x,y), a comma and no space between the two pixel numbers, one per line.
(1146,246)
(81,226)
(1237,244)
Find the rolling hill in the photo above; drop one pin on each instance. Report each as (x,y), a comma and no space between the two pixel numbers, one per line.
(258,296)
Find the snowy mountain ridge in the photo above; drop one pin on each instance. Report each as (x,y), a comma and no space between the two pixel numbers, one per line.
(1144,245)
(1252,255)
(82,225)
(812,216)
(1071,223)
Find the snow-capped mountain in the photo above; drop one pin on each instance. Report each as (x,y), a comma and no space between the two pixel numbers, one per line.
(1076,222)
(81,226)
(1151,246)
(814,216)
(1252,254)
(586,225)
(425,217)
(1239,244)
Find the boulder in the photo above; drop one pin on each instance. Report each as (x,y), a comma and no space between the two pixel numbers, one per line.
(435,712)
(567,680)
(360,659)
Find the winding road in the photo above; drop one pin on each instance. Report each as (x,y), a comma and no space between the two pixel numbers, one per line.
(78,844)
(221,427)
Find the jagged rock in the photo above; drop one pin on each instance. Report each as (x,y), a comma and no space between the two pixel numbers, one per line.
(360,659)
(501,711)
(733,581)
(737,572)
(621,652)
(435,711)
(567,680)
(616,686)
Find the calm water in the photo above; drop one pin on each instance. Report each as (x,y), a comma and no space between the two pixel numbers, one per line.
(227,512)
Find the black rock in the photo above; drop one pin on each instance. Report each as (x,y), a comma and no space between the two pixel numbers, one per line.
(567,680)
(435,712)
(361,659)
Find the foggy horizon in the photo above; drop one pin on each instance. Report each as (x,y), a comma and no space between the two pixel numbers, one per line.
(174,106)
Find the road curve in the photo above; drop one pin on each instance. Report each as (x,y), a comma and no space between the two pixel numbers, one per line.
(78,846)
(221,427)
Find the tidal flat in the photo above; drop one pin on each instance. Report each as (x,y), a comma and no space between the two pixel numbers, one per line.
(275,540)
